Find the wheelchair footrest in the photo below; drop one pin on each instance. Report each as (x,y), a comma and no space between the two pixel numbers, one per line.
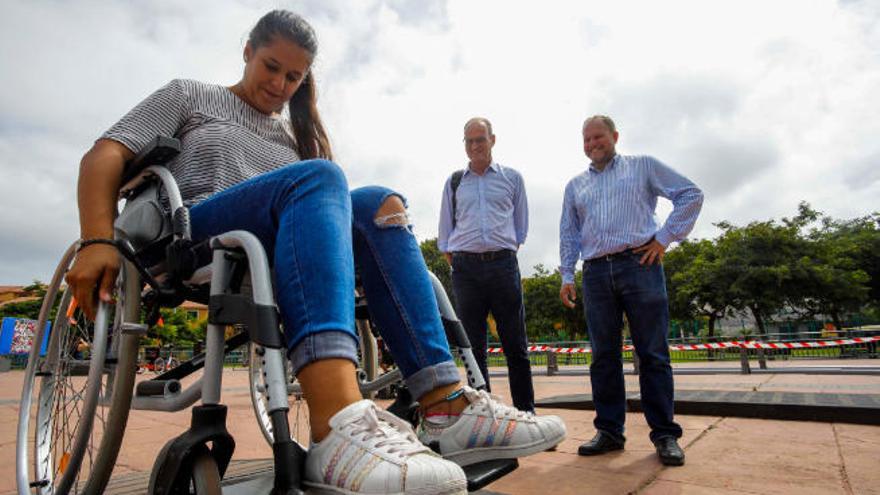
(157,388)
(478,476)
(481,474)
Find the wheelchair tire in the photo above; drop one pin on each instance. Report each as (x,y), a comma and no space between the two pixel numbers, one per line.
(298,416)
(71,410)
(24,457)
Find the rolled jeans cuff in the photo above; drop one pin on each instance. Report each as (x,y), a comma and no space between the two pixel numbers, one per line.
(324,345)
(431,377)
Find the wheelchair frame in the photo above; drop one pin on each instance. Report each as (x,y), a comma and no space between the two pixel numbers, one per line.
(187,459)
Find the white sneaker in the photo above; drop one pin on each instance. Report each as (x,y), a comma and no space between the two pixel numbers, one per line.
(372,451)
(488,429)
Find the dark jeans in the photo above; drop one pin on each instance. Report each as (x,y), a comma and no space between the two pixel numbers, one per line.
(611,288)
(484,286)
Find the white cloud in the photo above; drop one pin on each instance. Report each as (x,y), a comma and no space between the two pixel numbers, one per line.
(764,104)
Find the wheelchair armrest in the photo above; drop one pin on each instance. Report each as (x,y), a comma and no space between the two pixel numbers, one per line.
(159,151)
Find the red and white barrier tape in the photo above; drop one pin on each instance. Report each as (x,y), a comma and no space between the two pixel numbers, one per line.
(807,345)
(695,347)
(749,344)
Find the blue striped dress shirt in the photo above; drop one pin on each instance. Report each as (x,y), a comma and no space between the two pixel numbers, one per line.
(608,211)
(491,214)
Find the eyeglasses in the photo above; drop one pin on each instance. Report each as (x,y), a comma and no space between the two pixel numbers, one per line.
(477,140)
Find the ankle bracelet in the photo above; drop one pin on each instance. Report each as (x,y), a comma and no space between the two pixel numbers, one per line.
(448,398)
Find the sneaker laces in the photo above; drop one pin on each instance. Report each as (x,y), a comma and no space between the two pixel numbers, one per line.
(496,408)
(396,435)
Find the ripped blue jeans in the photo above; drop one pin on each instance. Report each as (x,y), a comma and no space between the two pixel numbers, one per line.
(315,232)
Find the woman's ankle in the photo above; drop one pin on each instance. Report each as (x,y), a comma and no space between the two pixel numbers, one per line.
(328,385)
(446,400)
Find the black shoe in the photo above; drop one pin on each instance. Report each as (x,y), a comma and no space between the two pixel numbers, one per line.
(601,443)
(669,451)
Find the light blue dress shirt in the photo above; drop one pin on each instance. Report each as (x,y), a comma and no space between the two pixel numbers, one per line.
(491,214)
(608,211)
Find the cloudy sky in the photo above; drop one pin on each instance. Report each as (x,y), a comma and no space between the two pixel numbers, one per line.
(762,103)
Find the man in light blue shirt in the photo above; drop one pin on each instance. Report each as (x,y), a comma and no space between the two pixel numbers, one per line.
(483,220)
(608,221)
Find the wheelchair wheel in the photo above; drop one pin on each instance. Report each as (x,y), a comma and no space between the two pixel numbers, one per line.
(298,415)
(36,366)
(75,380)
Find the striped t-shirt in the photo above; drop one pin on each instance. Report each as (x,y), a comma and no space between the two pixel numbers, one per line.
(224,140)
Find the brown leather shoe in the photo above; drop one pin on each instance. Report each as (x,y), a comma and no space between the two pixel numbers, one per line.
(600,444)
(669,451)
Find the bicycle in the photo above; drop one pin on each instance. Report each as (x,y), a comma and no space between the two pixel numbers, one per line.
(161,365)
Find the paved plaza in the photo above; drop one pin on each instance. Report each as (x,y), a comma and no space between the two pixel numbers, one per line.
(724,455)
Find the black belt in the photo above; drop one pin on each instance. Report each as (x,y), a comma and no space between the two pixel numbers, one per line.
(613,256)
(487,256)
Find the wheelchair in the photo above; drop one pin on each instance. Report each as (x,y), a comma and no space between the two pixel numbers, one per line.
(70,443)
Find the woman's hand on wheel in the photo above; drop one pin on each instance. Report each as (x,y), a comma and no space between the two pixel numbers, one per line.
(96,267)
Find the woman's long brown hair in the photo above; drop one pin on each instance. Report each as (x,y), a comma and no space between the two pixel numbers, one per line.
(308,130)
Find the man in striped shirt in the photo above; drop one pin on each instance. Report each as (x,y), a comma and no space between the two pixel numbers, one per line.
(484,218)
(608,221)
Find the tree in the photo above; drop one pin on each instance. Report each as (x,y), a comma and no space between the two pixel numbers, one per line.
(761,259)
(26,309)
(37,289)
(546,317)
(178,329)
(437,263)
(861,239)
(833,281)
(816,270)
(676,261)
(698,283)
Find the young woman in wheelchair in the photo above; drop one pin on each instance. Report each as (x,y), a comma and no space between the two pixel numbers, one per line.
(255,156)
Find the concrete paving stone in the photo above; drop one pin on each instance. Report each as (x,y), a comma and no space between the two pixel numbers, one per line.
(580,427)
(693,423)
(753,455)
(626,461)
(9,415)
(663,487)
(538,477)
(818,434)
(860,450)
